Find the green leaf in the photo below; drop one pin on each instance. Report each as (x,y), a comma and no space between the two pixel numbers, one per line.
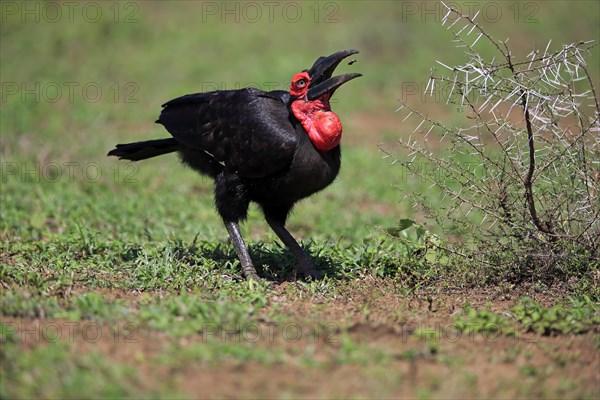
(405,223)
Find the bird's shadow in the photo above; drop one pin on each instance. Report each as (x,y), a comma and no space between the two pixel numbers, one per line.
(273,264)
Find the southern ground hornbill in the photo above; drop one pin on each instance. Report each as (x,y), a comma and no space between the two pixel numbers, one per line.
(273,148)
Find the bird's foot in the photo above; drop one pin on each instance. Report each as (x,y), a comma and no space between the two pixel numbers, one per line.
(251,275)
(308,271)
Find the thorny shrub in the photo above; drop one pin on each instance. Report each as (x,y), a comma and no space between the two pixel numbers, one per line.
(520,176)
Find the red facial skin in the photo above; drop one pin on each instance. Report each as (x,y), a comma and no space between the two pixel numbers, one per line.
(323,126)
(299,86)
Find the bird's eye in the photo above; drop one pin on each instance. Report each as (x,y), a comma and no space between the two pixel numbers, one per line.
(301,83)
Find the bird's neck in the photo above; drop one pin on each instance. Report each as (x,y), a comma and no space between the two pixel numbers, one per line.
(322,125)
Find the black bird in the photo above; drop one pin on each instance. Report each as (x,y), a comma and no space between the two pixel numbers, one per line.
(273,148)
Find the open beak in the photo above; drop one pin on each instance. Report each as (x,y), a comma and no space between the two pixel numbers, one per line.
(321,72)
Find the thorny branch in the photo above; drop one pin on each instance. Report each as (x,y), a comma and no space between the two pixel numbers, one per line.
(541,168)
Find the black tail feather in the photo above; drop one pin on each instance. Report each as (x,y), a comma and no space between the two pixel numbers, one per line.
(142,150)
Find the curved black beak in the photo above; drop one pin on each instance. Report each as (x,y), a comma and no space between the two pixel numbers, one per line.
(329,86)
(321,72)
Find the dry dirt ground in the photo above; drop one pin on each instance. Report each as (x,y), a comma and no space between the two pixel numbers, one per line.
(367,341)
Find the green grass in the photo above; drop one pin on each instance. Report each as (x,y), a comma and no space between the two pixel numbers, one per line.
(576,316)
(63,373)
(140,252)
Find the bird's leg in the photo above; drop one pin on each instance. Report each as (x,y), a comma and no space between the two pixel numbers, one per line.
(232,205)
(305,265)
(242,251)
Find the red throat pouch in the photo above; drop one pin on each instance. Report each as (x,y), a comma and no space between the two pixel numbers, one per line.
(324,128)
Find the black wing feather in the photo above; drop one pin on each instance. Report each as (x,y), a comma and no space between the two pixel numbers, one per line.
(248,130)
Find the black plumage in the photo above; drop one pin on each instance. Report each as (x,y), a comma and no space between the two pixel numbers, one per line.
(254,148)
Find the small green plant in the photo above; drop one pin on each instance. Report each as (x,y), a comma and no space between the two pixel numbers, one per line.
(484,321)
(353,352)
(580,315)
(577,316)
(415,237)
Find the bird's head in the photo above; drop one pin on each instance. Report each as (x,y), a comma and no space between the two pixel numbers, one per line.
(312,90)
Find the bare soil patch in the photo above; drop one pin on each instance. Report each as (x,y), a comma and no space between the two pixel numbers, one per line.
(373,343)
